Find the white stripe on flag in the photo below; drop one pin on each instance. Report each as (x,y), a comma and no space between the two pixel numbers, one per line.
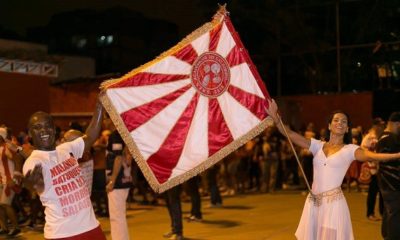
(170,65)
(238,118)
(127,98)
(196,145)
(226,42)
(201,43)
(243,78)
(150,136)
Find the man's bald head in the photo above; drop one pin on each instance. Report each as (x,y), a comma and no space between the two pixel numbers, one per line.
(72,134)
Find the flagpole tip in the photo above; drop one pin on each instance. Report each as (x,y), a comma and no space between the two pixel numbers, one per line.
(221,13)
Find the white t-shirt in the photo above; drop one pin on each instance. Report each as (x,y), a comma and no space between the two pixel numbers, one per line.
(66,198)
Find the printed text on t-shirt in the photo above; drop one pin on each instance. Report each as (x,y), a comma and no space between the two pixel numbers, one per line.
(70,187)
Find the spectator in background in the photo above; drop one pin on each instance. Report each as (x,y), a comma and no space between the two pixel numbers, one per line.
(192,189)
(306,156)
(174,206)
(271,156)
(215,195)
(389,178)
(353,172)
(99,195)
(369,142)
(7,171)
(119,162)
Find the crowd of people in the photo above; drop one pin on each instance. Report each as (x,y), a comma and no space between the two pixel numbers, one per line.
(265,164)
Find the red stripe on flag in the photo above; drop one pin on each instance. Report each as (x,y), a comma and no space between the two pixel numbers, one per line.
(135,117)
(245,55)
(144,78)
(219,134)
(214,38)
(172,147)
(235,56)
(187,54)
(252,102)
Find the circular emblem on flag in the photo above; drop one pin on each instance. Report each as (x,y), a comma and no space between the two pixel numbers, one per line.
(210,74)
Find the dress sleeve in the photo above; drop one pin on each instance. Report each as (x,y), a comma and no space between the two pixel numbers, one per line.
(315,146)
(351,152)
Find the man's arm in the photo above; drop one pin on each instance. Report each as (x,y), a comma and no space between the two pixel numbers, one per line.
(34,179)
(93,130)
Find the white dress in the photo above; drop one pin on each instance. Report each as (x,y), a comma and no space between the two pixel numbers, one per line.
(331,220)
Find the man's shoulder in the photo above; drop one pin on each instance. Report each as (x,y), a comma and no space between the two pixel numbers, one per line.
(36,154)
(67,145)
(387,136)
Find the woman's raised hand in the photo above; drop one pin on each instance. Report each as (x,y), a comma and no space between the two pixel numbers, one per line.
(272,110)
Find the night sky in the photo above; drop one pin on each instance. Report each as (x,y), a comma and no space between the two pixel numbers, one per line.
(18,15)
(306,40)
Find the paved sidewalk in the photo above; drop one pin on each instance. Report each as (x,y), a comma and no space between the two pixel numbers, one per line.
(250,216)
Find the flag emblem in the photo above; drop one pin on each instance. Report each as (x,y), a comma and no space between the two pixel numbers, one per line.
(210,74)
(191,106)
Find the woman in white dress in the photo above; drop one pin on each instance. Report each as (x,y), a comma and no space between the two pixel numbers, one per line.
(326,214)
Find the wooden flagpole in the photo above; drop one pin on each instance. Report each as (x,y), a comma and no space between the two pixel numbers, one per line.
(295,153)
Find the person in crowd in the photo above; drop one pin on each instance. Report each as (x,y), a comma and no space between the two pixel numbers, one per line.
(174,206)
(192,189)
(289,165)
(353,172)
(54,173)
(241,169)
(254,171)
(306,156)
(99,195)
(212,180)
(119,162)
(231,164)
(369,142)
(8,169)
(389,178)
(271,156)
(326,214)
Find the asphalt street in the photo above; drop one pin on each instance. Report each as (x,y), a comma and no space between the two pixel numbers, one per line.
(249,216)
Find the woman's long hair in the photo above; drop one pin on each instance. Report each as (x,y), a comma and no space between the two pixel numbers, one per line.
(347,138)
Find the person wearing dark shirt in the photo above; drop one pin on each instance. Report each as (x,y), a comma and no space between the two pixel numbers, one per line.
(119,163)
(389,178)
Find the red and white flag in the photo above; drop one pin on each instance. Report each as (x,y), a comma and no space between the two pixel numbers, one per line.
(191,106)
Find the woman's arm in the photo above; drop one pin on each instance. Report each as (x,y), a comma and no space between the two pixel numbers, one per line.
(366,155)
(296,138)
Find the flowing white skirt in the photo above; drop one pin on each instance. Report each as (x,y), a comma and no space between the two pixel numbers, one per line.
(329,221)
